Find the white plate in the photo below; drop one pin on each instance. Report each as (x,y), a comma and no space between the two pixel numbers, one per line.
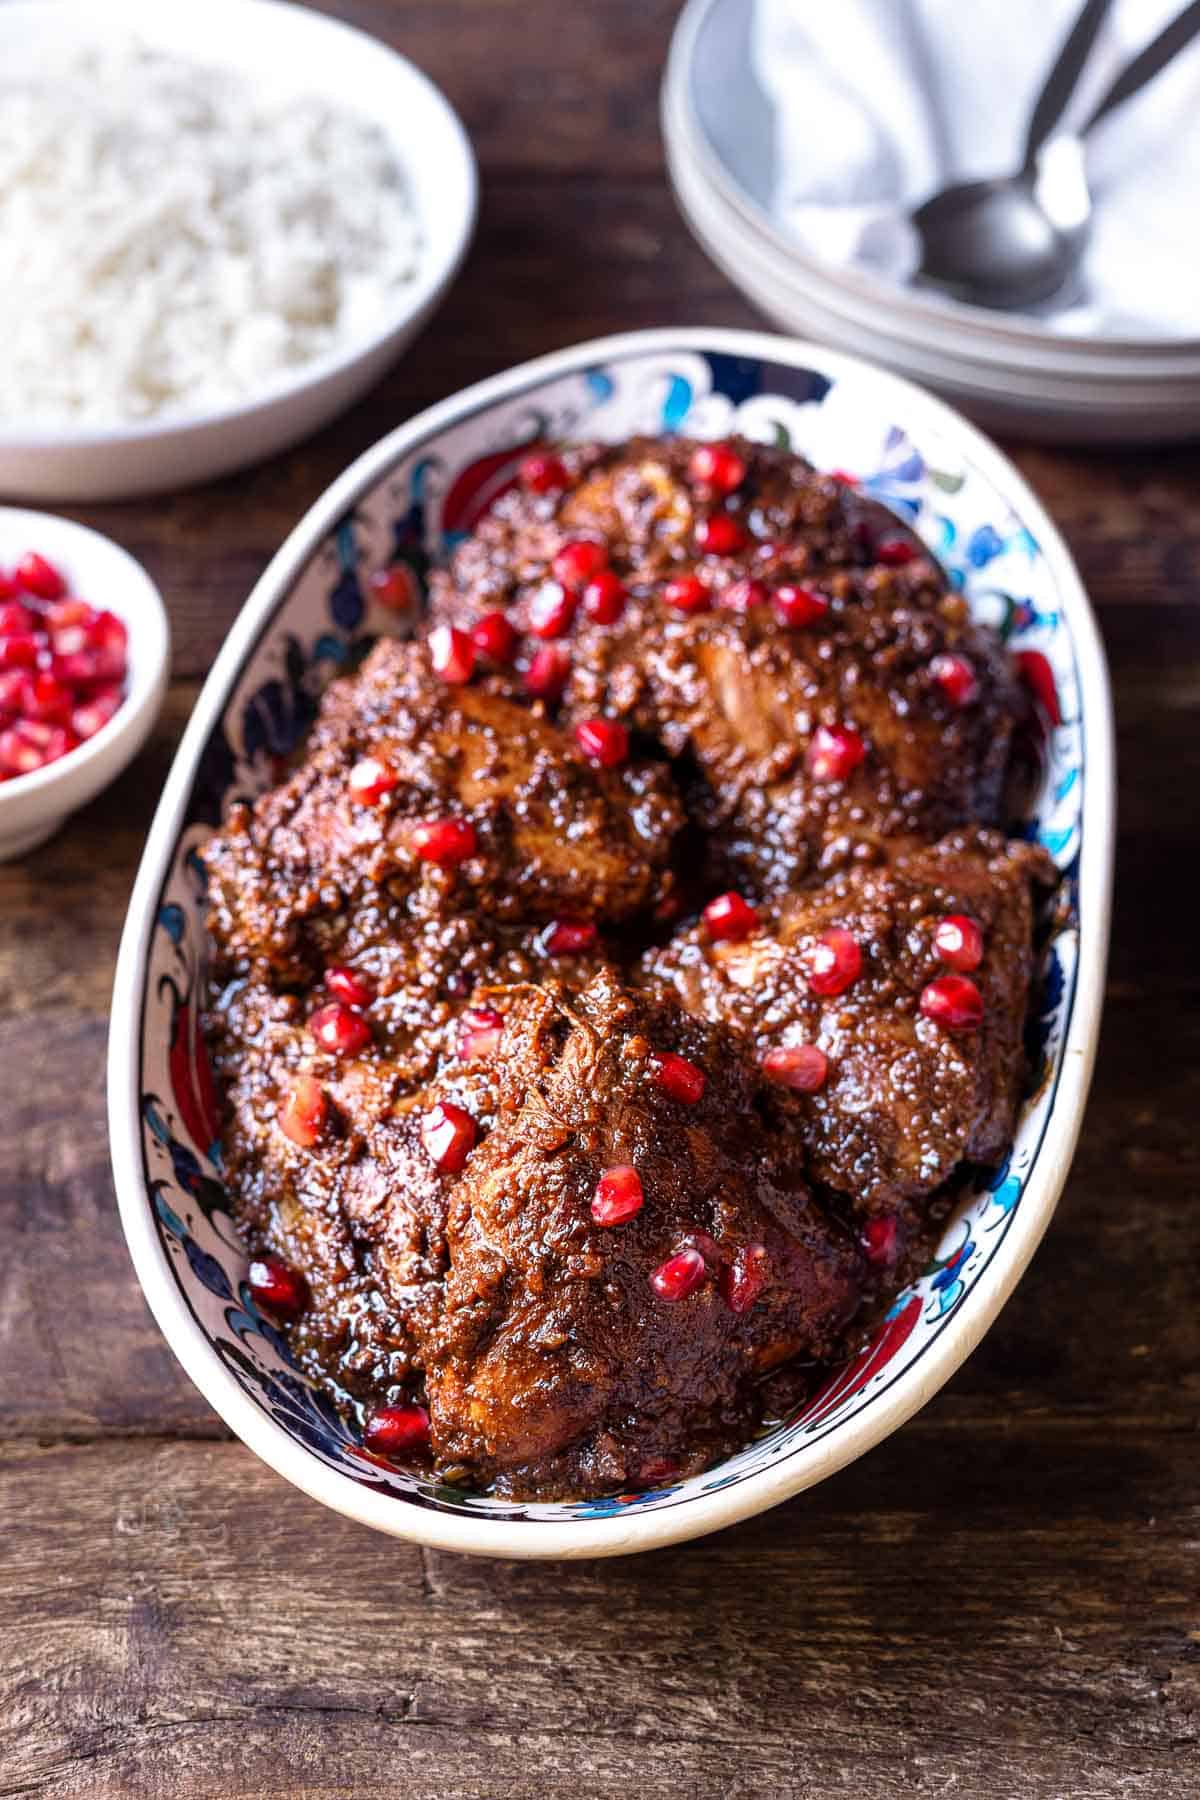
(319,55)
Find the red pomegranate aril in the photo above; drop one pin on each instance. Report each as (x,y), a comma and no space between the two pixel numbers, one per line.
(679,1276)
(349,985)
(717,466)
(108,642)
(70,611)
(604,598)
(895,552)
(604,742)
(448,1134)
(95,712)
(58,741)
(339,1030)
(956,678)
(392,588)
(18,650)
(277,1286)
(569,937)
(720,535)
(16,620)
(451,654)
(729,918)
(479,1032)
(8,587)
(740,596)
(679,1078)
(618,1195)
(14,685)
(47,698)
(548,672)
(397,1430)
(954,1002)
(578,561)
(305,1112)
(743,1280)
(687,594)
(371,780)
(833,963)
(17,755)
(37,576)
(834,752)
(495,636)
(551,611)
(446,842)
(799,606)
(881,1240)
(801,1067)
(543,474)
(959,942)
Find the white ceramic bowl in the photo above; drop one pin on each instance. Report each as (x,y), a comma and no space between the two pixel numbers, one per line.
(407,499)
(269,40)
(33,807)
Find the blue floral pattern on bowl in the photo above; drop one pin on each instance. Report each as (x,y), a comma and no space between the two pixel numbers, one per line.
(407,520)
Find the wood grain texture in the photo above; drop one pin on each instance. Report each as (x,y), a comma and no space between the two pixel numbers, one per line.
(1002,1600)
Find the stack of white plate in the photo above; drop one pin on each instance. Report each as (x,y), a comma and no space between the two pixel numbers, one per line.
(1011,371)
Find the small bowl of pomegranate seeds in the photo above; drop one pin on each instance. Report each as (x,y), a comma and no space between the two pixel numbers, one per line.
(83,668)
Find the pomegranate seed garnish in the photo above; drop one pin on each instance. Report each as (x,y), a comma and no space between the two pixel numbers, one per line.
(543,474)
(305,1112)
(956,678)
(349,985)
(604,598)
(371,780)
(16,620)
(959,942)
(339,1030)
(578,561)
(719,535)
(45,697)
(392,587)
(551,611)
(547,674)
(603,741)
(1035,671)
(277,1286)
(19,650)
(448,1134)
(802,1067)
(687,594)
(451,654)
(834,752)
(881,1240)
(833,963)
(95,712)
(495,636)
(740,596)
(729,918)
(895,552)
(680,1078)
(479,1032)
(843,477)
(396,1430)
(717,466)
(618,1195)
(679,1276)
(799,606)
(953,1001)
(37,576)
(446,842)
(569,937)
(743,1280)
(69,612)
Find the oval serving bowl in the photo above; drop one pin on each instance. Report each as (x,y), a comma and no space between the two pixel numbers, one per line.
(405,502)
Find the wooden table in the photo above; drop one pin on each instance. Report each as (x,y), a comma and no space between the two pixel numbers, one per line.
(1002,1600)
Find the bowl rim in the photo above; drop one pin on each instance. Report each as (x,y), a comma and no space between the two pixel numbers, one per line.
(433,276)
(620,1533)
(147,679)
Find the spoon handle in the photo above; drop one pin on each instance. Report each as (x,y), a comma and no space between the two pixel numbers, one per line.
(1147,64)
(1060,82)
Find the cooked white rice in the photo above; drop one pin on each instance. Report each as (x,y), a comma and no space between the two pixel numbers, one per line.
(171,241)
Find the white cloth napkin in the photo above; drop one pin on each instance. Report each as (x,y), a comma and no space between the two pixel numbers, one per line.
(878,103)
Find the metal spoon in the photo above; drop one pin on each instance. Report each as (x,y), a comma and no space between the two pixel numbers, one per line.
(1017,240)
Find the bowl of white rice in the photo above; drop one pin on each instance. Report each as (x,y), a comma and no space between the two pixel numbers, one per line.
(220,225)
